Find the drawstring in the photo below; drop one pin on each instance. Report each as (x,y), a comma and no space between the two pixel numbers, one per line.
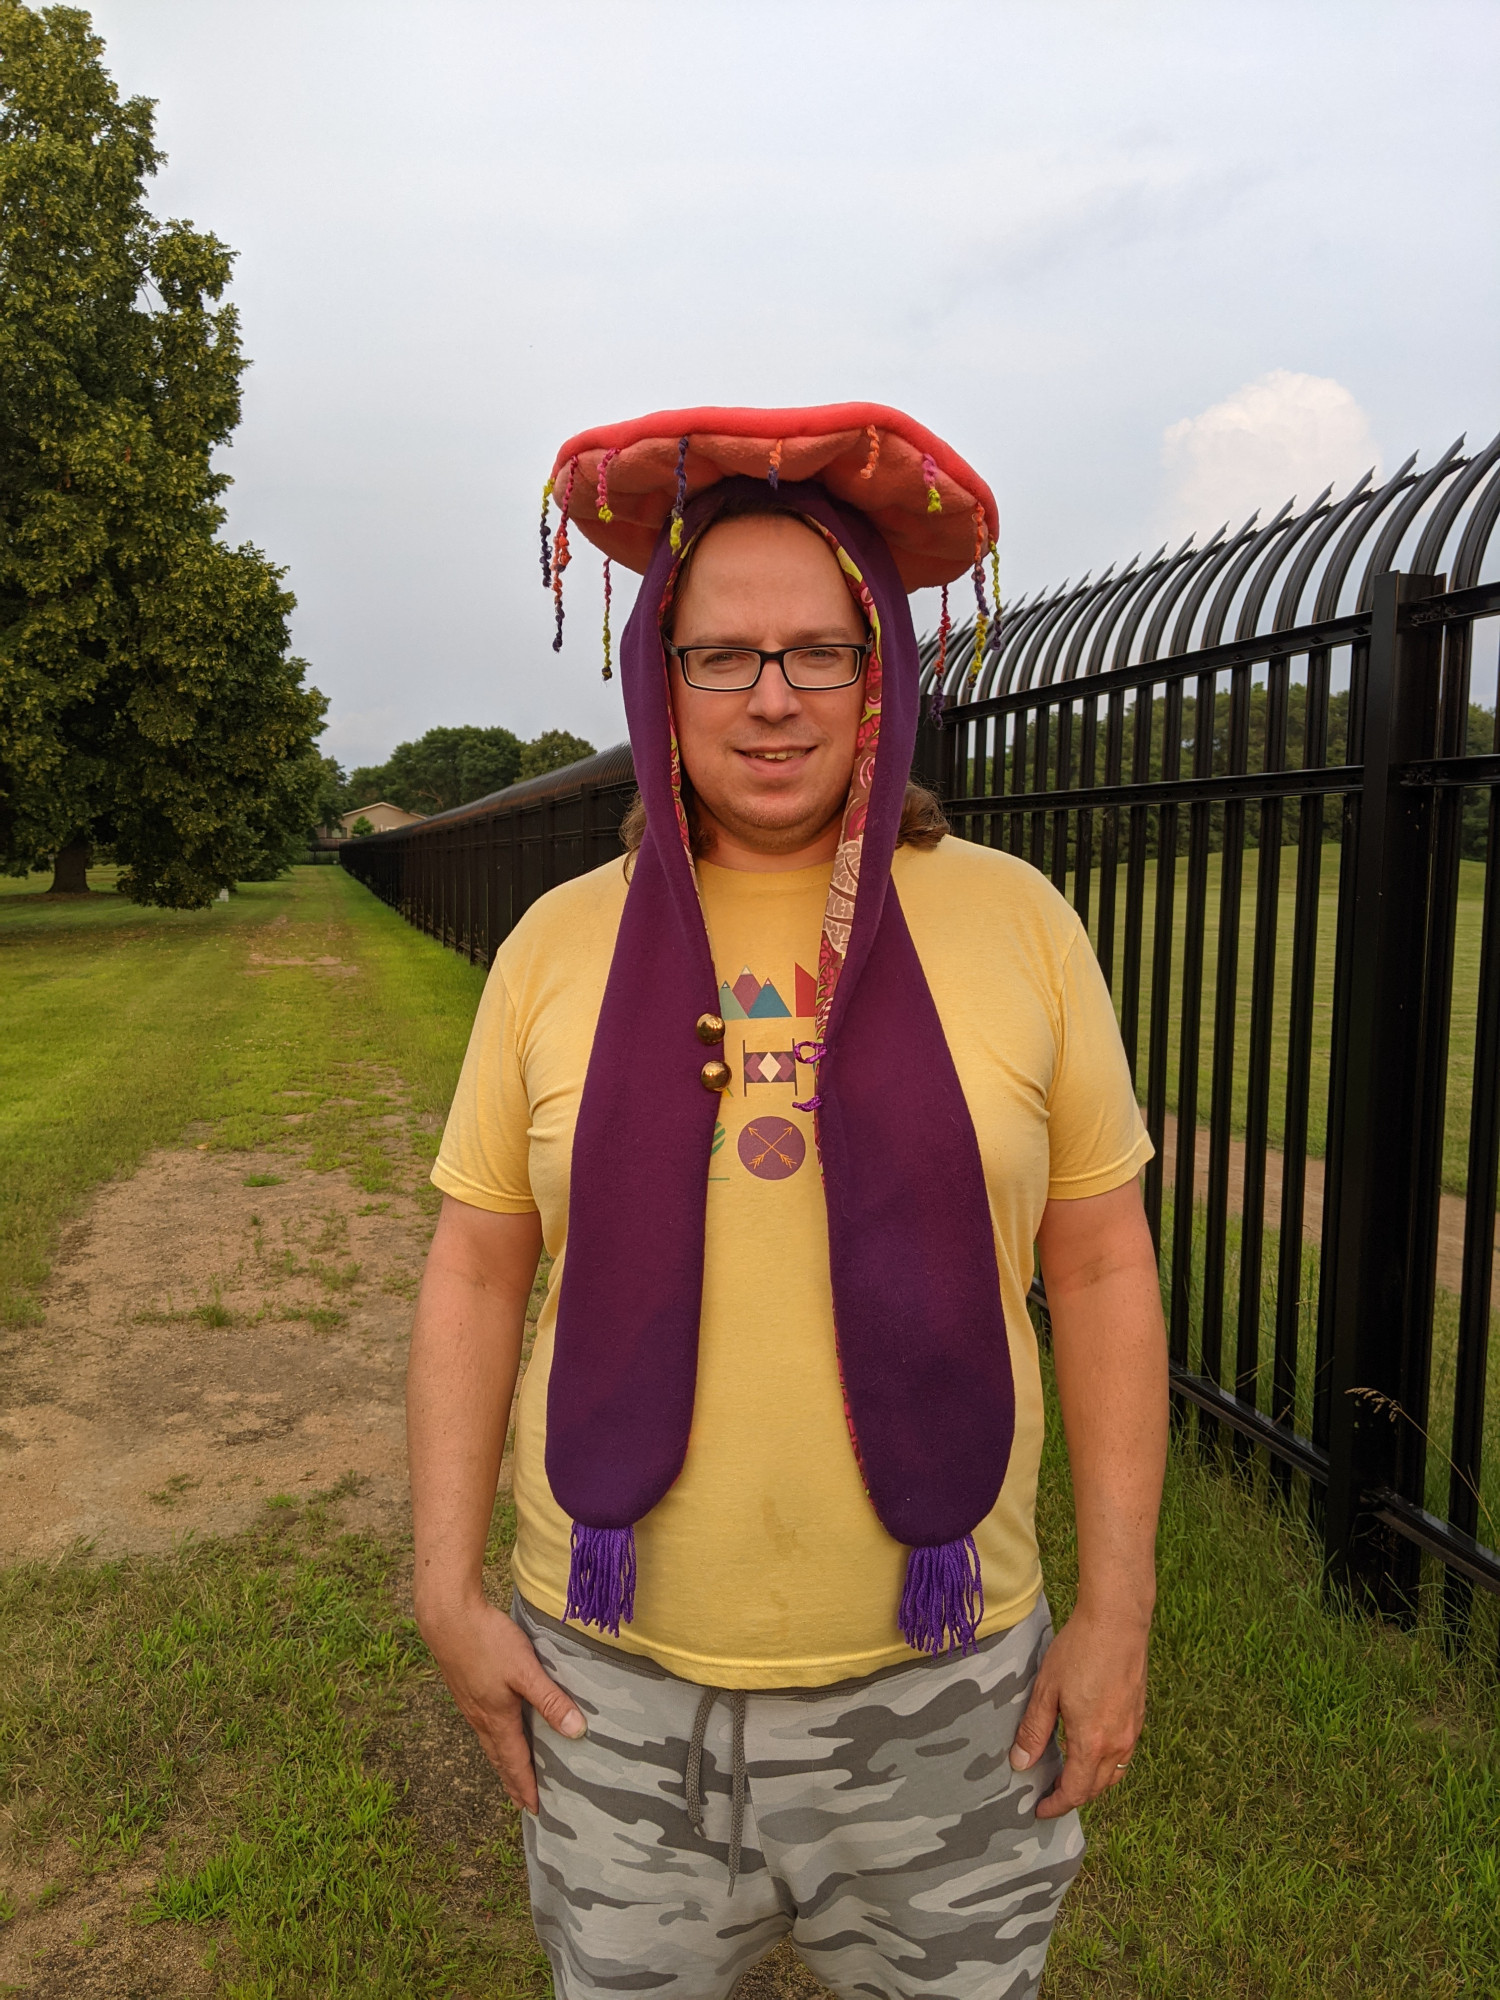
(694,1774)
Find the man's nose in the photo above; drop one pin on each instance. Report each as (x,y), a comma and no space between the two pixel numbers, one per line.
(773,697)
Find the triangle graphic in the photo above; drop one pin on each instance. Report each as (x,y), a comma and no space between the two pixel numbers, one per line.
(806,994)
(729,1006)
(746,989)
(768,1004)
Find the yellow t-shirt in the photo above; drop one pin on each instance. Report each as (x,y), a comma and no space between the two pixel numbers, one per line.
(765,1565)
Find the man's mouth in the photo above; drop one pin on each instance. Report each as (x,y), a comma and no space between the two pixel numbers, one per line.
(777,756)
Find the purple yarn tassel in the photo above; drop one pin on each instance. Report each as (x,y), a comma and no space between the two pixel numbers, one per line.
(601,1577)
(943,1601)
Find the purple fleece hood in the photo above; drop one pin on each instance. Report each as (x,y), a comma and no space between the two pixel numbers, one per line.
(921,1333)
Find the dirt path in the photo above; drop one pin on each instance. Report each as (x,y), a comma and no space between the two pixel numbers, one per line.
(1450,1253)
(206,1344)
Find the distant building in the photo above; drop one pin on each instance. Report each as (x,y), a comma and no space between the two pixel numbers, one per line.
(381,817)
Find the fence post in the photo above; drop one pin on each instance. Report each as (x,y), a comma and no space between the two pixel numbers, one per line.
(1379,1332)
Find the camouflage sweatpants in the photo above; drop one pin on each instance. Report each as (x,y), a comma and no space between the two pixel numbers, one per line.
(883,1828)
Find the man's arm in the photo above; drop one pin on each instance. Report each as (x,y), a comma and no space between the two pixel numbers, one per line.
(465,1354)
(1109,1347)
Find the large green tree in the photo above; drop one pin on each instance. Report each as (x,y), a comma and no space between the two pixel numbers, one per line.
(149,705)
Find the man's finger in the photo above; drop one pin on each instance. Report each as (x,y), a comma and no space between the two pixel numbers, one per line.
(1074,1788)
(504,1742)
(1037,1725)
(556,1708)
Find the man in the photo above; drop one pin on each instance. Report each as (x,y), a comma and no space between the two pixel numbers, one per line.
(790,1097)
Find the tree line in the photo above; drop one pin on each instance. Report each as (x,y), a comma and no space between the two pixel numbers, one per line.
(450,767)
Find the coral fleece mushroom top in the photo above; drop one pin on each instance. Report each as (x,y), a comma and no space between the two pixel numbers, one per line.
(765,1565)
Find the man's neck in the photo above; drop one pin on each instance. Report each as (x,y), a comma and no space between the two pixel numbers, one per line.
(730,849)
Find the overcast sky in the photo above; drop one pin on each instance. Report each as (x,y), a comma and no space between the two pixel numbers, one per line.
(1143,264)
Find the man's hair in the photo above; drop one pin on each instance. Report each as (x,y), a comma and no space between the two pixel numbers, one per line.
(923,821)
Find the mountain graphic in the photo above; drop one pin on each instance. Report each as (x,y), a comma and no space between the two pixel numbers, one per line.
(768,1005)
(749,1000)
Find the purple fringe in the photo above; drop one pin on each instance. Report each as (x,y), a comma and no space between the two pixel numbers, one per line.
(943,1601)
(601,1577)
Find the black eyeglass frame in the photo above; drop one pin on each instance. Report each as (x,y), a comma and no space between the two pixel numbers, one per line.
(861,650)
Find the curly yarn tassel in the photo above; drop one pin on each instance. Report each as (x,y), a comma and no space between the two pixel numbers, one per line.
(609,672)
(601,492)
(561,554)
(601,1578)
(867,470)
(981,605)
(681,500)
(773,476)
(943,1601)
(929,474)
(546,537)
(940,670)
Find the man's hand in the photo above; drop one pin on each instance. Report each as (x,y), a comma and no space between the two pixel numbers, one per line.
(1110,1351)
(1094,1678)
(491,1668)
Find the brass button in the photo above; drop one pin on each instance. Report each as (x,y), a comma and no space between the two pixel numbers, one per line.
(710,1028)
(714,1076)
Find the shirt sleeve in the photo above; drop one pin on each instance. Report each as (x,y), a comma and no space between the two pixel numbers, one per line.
(484,1157)
(1097,1137)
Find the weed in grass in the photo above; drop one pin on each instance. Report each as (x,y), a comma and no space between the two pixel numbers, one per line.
(265,1180)
(169,1494)
(333,1235)
(332,1277)
(322,1319)
(45,1897)
(9,1908)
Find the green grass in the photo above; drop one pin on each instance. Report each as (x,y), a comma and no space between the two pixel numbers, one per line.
(1464,1007)
(124,1026)
(1315,1809)
(234,1713)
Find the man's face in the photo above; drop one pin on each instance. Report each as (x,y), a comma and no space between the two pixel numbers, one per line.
(770,764)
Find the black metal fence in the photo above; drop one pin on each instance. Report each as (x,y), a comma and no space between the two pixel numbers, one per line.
(467,876)
(1281,844)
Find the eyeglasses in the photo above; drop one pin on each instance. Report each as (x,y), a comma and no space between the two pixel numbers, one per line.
(733,669)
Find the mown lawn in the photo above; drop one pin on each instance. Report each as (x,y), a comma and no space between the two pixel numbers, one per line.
(1315,1811)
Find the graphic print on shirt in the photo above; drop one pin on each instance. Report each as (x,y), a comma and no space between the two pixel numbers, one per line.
(772,1147)
(750,999)
(770,1066)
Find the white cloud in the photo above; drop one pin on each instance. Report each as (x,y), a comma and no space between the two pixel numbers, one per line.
(1283,434)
